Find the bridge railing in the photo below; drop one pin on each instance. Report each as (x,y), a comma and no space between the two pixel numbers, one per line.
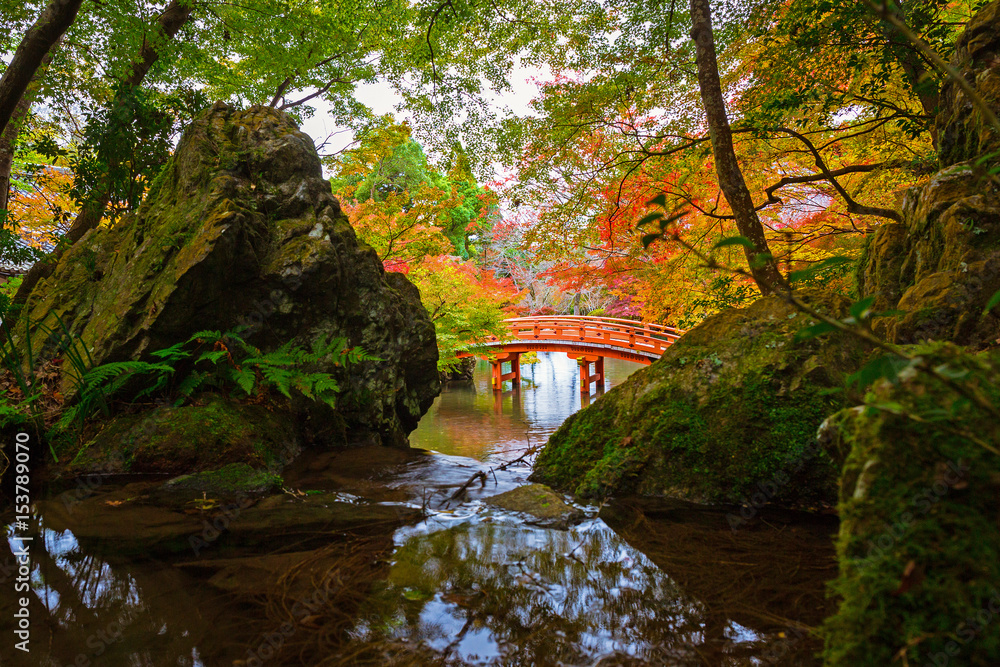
(642,337)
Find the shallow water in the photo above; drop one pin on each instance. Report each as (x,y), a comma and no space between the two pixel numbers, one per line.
(636,583)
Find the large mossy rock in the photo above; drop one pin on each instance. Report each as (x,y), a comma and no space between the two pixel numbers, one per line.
(729,414)
(941,264)
(963,131)
(920,522)
(241,229)
(189,438)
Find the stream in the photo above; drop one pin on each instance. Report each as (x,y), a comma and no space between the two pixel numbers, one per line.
(388,557)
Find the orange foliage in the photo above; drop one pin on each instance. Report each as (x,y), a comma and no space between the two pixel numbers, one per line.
(45,211)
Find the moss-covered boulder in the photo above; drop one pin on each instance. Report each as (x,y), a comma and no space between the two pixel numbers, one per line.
(920,521)
(232,482)
(192,438)
(541,504)
(729,414)
(241,229)
(963,133)
(941,263)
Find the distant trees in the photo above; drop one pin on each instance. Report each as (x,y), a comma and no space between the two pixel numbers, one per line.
(405,208)
(821,109)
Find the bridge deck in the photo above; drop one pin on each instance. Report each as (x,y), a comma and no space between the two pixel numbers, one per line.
(600,336)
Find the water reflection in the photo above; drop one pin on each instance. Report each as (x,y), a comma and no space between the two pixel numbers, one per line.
(470,419)
(87,610)
(482,588)
(500,592)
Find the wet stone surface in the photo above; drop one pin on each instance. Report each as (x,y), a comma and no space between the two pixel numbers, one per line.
(541,505)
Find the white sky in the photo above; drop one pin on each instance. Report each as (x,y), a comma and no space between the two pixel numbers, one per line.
(382,99)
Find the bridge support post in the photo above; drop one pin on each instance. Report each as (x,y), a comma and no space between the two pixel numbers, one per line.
(586,377)
(497,371)
(499,377)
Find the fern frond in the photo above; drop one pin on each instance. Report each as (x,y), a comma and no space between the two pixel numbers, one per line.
(279,377)
(213,356)
(325,383)
(245,379)
(159,384)
(189,384)
(172,353)
(304,385)
(207,336)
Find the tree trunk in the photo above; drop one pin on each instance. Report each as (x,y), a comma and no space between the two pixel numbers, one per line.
(8,138)
(33,48)
(8,143)
(764,271)
(924,83)
(176,14)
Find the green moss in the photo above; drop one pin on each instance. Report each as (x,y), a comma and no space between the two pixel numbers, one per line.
(223,240)
(186,439)
(230,481)
(731,407)
(537,500)
(919,536)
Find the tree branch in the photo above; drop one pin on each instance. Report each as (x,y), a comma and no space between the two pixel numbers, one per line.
(852,206)
(37,42)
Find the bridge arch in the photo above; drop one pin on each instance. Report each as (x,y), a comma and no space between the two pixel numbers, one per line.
(587,339)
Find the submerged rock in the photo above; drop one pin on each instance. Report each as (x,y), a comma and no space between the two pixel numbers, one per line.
(920,522)
(236,481)
(541,503)
(241,229)
(729,414)
(941,264)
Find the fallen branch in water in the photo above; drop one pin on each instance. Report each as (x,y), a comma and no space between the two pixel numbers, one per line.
(531,450)
(480,475)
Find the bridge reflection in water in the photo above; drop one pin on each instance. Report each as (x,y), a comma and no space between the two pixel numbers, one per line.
(514,406)
(470,419)
(589,340)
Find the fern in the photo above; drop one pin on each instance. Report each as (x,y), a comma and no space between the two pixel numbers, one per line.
(214,356)
(245,379)
(101,374)
(174,353)
(281,378)
(326,384)
(210,359)
(189,384)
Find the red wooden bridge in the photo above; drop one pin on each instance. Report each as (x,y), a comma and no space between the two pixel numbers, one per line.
(587,339)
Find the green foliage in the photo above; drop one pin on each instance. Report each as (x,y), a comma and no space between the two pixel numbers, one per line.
(465,308)
(125,144)
(808,46)
(992,303)
(7,292)
(723,291)
(207,360)
(388,165)
(231,363)
(13,250)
